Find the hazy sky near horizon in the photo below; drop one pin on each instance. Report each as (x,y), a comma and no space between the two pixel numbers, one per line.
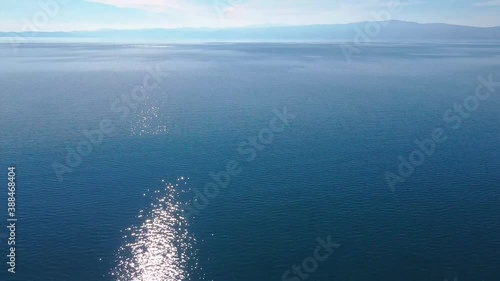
(67,15)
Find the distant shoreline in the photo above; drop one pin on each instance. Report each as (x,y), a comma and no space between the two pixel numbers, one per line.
(391,30)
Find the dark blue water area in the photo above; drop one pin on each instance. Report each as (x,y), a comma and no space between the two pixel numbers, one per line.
(321,176)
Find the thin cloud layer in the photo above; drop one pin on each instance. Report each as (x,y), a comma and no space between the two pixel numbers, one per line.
(147,5)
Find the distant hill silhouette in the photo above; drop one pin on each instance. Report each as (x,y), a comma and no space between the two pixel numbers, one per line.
(388,30)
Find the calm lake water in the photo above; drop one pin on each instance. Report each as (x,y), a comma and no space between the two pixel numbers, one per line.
(115,213)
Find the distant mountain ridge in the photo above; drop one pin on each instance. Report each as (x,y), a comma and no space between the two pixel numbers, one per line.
(388,30)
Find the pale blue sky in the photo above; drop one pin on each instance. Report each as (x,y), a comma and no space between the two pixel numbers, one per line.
(132,14)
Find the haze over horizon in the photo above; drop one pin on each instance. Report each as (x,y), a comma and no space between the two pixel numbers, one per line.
(91,15)
(355,32)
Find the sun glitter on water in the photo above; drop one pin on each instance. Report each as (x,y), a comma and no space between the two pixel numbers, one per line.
(161,248)
(153,116)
